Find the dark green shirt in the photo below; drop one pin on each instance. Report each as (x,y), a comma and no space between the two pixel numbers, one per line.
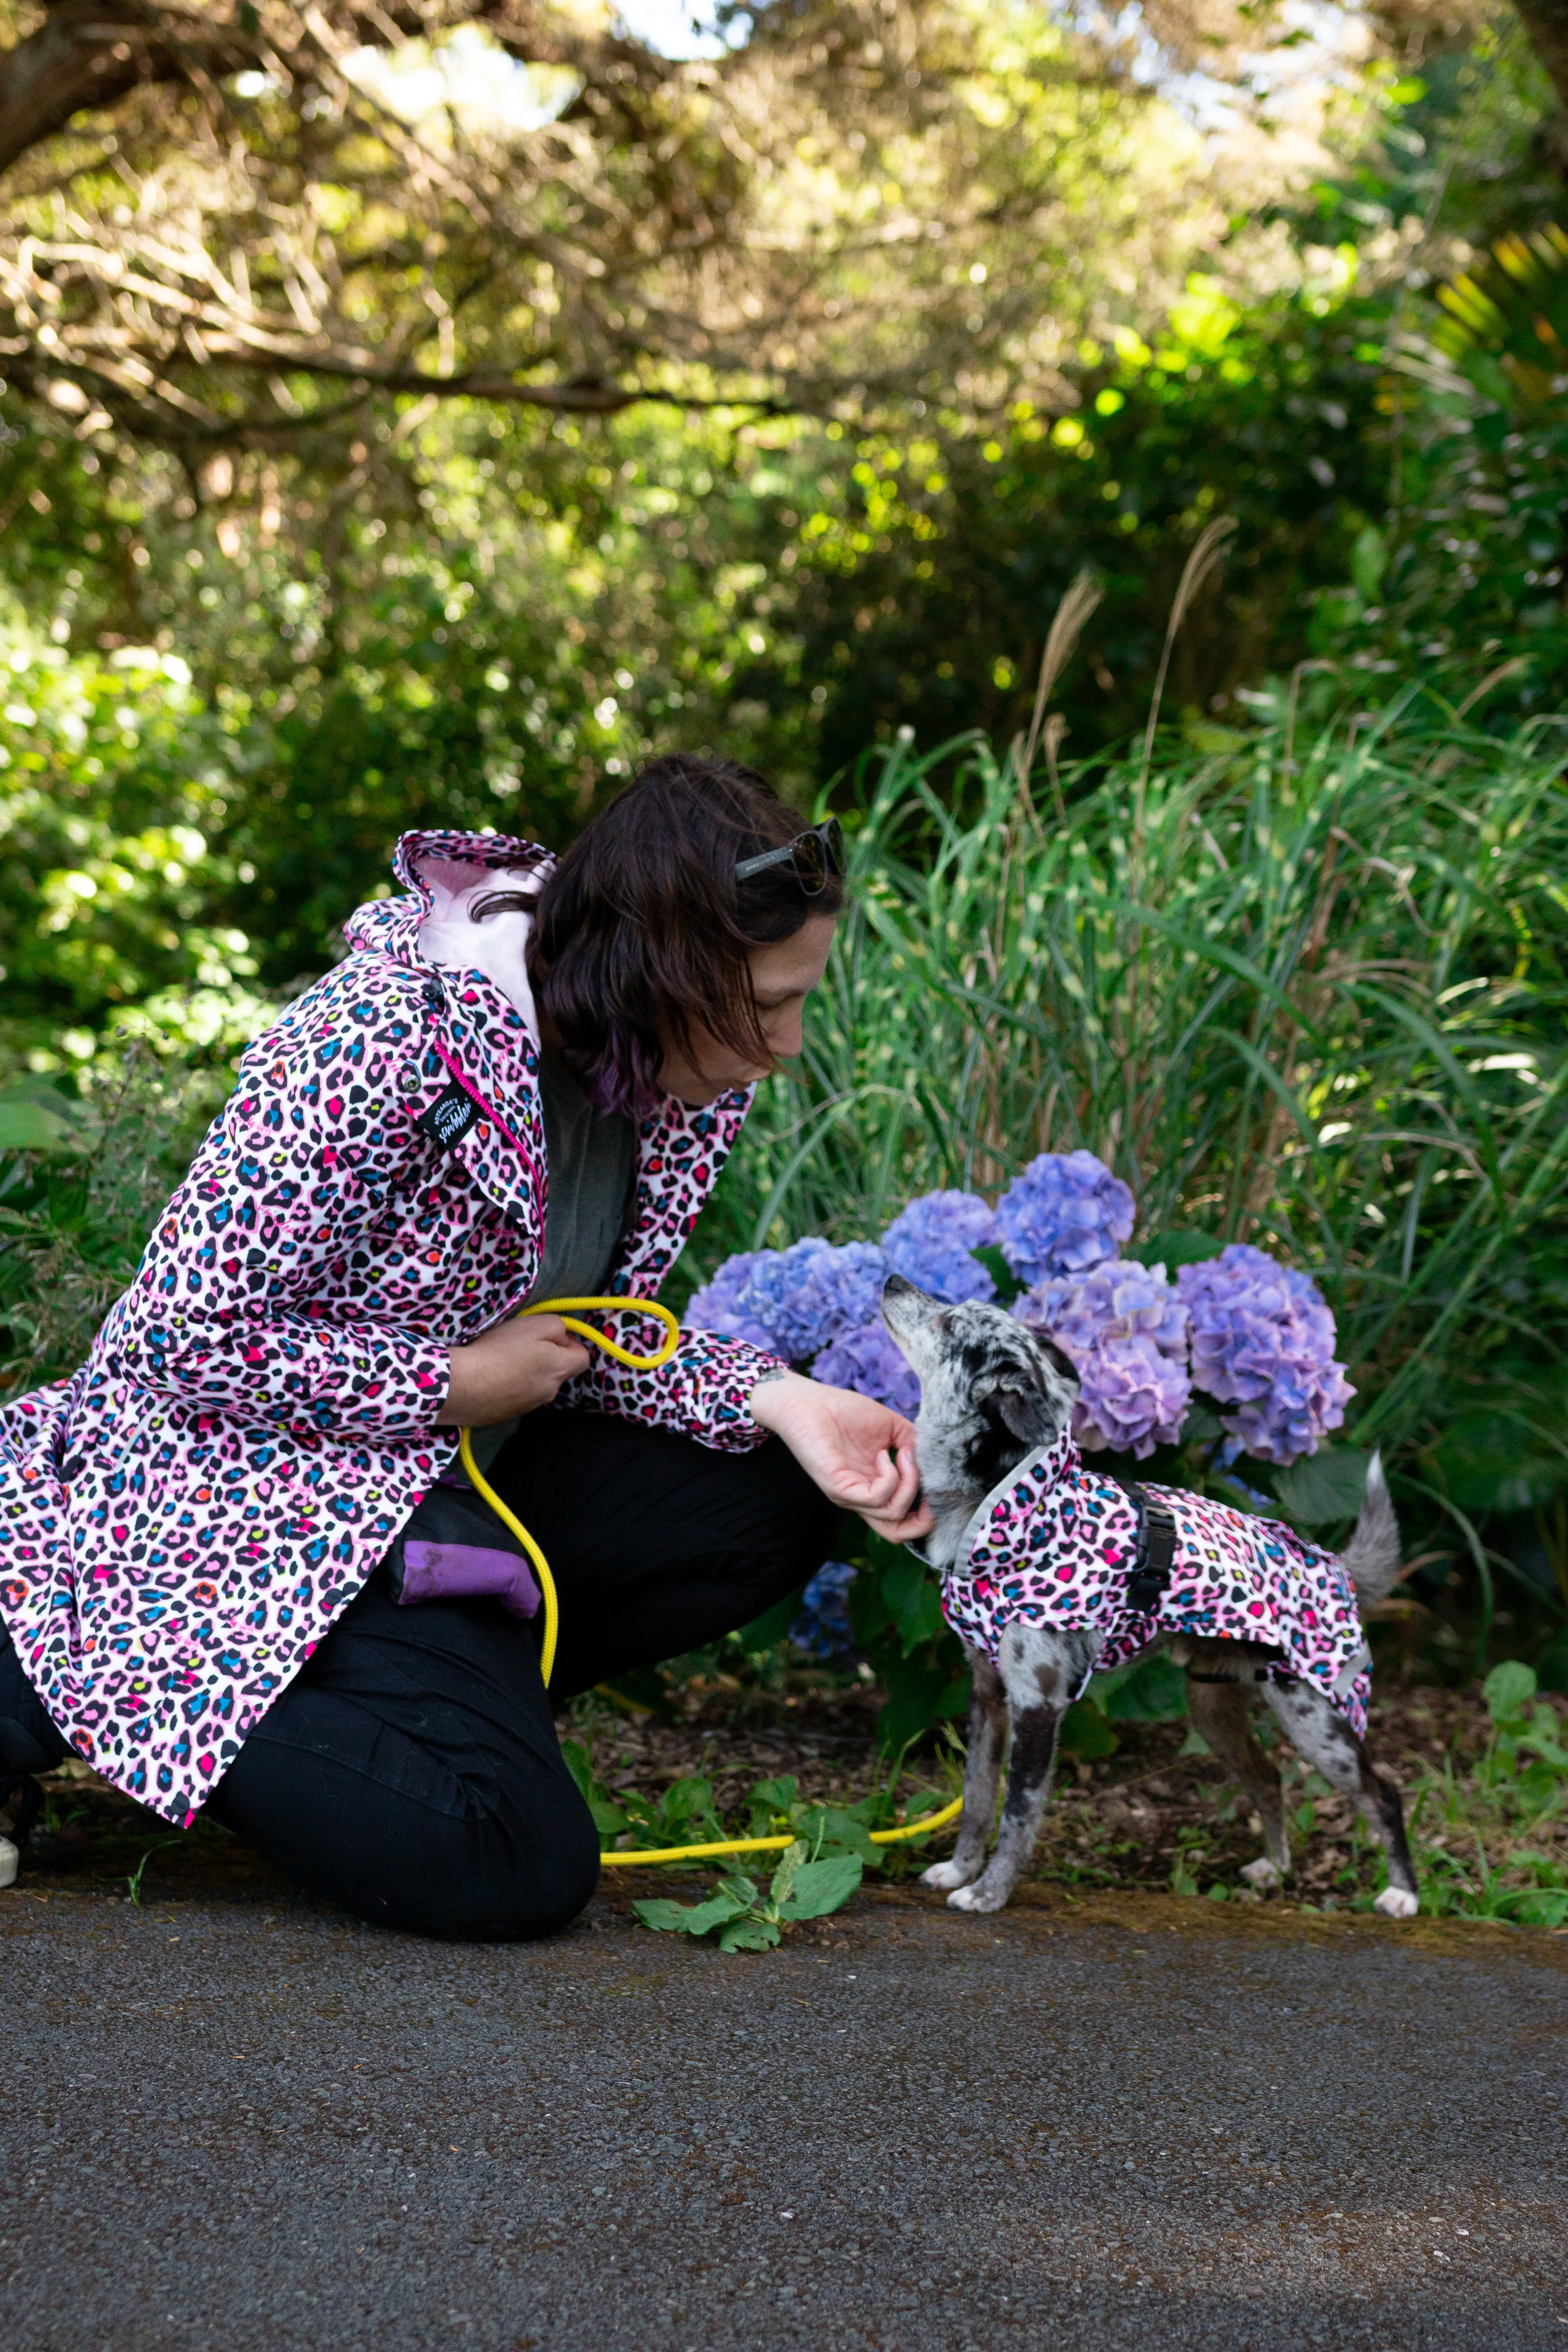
(589,1173)
(590,1164)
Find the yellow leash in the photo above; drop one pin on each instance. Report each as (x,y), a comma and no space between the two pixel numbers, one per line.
(672,1341)
(623,1356)
(639,1855)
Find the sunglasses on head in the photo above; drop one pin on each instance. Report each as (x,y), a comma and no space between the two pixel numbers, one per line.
(814,854)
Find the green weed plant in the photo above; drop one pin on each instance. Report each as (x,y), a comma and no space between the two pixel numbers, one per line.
(81,1180)
(830,1847)
(803,1887)
(1478,1833)
(1489,1834)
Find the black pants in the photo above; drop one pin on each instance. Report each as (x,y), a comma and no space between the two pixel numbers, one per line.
(411,1773)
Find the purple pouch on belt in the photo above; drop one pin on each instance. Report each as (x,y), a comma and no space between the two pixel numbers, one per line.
(453,1572)
(455,1548)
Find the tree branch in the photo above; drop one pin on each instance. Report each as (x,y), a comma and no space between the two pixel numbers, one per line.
(88,53)
(579,396)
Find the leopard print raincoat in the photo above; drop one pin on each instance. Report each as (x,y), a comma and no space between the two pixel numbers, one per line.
(1054,1545)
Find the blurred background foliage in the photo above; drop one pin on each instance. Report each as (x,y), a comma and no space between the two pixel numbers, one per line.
(420,413)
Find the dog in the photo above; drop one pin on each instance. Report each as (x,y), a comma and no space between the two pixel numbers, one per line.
(1108,1570)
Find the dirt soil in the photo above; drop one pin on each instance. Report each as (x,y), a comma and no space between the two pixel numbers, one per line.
(1119,1823)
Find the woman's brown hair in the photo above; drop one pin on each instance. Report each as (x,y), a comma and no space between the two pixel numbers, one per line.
(642,933)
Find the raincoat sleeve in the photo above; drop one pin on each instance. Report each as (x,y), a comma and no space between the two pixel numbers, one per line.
(280,1205)
(701,1392)
(704,1390)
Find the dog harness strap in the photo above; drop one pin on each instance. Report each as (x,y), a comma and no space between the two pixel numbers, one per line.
(1156,1551)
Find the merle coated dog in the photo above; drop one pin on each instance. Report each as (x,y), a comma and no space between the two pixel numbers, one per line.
(993,1394)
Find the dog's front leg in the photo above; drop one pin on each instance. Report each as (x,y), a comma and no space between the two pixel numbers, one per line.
(982,1777)
(1041,1674)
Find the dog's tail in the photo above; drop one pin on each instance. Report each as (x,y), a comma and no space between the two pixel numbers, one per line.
(1372,1556)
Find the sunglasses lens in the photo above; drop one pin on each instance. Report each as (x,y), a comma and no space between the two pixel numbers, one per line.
(810,865)
(832,837)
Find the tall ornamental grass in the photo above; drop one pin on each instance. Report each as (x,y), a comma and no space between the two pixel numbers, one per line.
(1307,993)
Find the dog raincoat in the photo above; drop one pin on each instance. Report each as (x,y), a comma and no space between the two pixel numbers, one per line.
(182,1520)
(1055,1545)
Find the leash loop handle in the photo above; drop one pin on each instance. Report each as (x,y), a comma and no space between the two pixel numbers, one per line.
(480,1484)
(649,1307)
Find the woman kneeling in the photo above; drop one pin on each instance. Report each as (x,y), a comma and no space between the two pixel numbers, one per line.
(241,1567)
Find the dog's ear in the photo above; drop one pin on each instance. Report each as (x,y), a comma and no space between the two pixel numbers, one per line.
(1021,1407)
(1060,1361)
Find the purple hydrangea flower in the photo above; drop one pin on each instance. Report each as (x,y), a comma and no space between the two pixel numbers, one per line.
(867,1361)
(717,1306)
(1125,1328)
(1263,1337)
(1065,1214)
(768,1295)
(822,1629)
(930,1245)
(802,1297)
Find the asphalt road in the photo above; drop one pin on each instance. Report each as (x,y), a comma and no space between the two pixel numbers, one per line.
(236,2123)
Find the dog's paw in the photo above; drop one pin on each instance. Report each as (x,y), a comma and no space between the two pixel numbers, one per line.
(1395,1904)
(979,1897)
(10,1860)
(1262,1874)
(944,1875)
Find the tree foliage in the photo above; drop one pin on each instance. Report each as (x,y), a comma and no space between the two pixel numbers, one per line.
(426,605)
(267,229)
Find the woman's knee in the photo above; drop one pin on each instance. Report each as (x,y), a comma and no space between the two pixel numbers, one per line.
(517,1859)
(448,1880)
(509,1891)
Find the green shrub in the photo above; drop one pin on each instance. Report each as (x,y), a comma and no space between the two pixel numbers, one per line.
(115,786)
(1303,988)
(79,1196)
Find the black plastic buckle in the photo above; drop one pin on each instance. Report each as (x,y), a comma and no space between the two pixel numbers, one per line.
(1157,1552)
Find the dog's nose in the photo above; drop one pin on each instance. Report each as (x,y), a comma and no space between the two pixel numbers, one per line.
(896,1286)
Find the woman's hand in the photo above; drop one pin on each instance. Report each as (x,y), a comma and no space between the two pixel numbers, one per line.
(861,1453)
(514,1369)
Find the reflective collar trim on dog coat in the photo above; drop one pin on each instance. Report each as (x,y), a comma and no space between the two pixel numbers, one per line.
(1057,1545)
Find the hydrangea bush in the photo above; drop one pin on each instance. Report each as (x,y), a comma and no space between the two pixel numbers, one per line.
(822,1629)
(932,1245)
(1066,1213)
(717,1306)
(1255,1336)
(868,1360)
(1263,1338)
(793,1302)
(1125,1327)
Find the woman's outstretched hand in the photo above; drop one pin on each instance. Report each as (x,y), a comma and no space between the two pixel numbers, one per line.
(861,1453)
(513,1369)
